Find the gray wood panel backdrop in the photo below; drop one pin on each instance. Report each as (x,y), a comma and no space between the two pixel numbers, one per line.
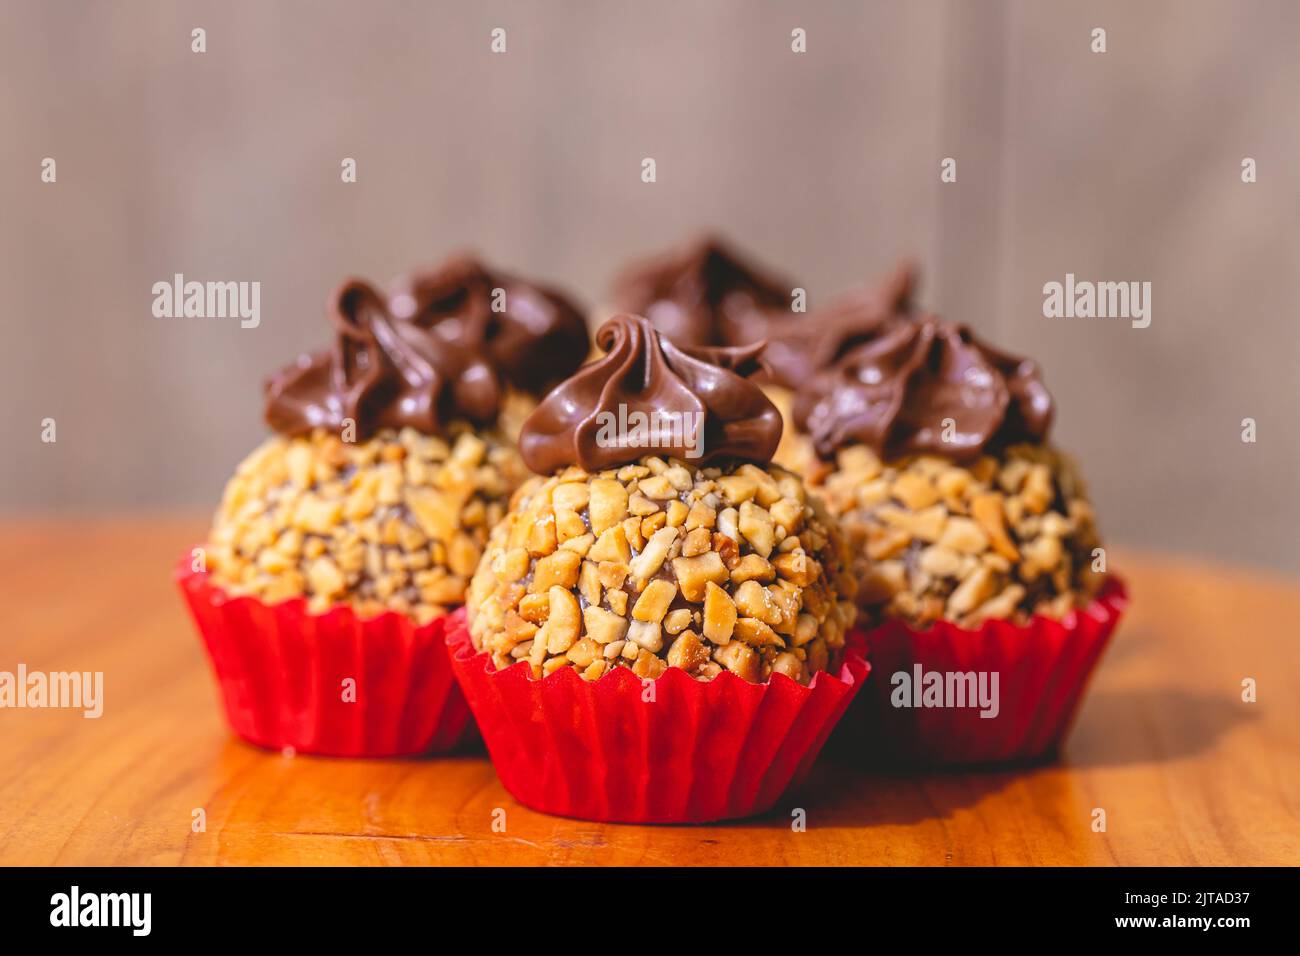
(225,165)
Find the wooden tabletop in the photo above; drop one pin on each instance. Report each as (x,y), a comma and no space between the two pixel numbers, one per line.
(1186,771)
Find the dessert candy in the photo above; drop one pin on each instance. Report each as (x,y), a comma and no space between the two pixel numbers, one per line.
(656,630)
(620,558)
(384,478)
(343,541)
(931,447)
(976,548)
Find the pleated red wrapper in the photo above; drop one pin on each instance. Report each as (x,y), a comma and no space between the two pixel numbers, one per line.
(672,750)
(282,674)
(1043,669)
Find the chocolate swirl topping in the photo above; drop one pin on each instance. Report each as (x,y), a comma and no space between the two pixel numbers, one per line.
(382,373)
(703,295)
(537,339)
(696,403)
(796,351)
(893,386)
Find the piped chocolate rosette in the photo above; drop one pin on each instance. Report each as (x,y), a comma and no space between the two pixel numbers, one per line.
(657,547)
(977,547)
(707,294)
(363,518)
(534,336)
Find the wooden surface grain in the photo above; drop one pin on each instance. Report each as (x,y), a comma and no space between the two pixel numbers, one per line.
(1186,771)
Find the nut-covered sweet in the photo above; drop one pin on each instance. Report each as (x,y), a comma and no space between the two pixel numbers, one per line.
(397,522)
(1006,536)
(665,564)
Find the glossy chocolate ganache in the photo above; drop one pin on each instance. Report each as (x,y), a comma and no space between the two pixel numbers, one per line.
(446,346)
(922,386)
(704,294)
(708,294)
(533,335)
(382,373)
(648,396)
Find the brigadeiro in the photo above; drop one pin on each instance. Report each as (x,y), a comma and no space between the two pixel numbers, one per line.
(656,630)
(343,541)
(976,547)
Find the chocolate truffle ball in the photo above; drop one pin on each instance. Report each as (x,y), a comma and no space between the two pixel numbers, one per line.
(930,447)
(396,456)
(705,557)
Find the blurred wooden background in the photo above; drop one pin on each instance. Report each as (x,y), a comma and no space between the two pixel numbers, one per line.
(225,166)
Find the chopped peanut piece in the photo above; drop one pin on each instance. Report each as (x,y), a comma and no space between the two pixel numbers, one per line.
(687,652)
(738,658)
(647,634)
(563,623)
(694,573)
(756,526)
(611,546)
(604,627)
(583,653)
(608,504)
(797,568)
(653,603)
(753,567)
(754,600)
(737,489)
(719,614)
(569,525)
(700,516)
(677,621)
(987,509)
(697,542)
(324,578)
(645,564)
(560,568)
(570,496)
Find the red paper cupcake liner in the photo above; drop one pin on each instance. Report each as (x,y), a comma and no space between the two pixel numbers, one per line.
(696,752)
(281,672)
(1043,669)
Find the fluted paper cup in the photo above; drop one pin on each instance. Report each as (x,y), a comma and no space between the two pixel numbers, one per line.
(283,675)
(1042,671)
(672,750)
